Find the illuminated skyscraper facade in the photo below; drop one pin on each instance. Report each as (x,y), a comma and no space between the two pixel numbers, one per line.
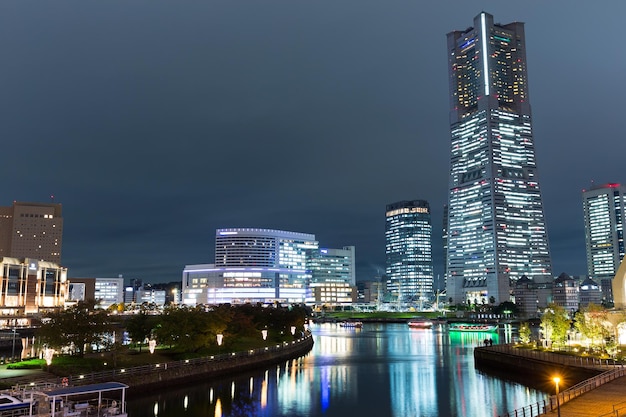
(604,209)
(252,265)
(496,225)
(409,263)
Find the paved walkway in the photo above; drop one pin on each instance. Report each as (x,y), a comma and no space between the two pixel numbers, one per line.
(23,376)
(597,402)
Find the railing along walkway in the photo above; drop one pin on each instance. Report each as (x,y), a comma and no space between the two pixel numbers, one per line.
(113,374)
(556,358)
(613,371)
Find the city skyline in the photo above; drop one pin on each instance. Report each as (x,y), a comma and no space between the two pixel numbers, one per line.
(154,125)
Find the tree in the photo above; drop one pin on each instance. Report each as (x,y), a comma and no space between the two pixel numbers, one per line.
(76,328)
(139,327)
(555,323)
(591,323)
(525,333)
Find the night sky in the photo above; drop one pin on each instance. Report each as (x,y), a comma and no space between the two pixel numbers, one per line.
(156,122)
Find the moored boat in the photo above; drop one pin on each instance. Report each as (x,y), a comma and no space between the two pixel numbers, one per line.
(13,405)
(420,324)
(472,327)
(63,401)
(353,324)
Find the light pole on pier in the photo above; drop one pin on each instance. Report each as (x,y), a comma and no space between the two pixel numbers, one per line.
(556,380)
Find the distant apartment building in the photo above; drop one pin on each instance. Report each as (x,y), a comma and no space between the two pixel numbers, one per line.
(408,249)
(29,286)
(151,296)
(31,230)
(109,291)
(333,276)
(590,293)
(531,297)
(105,291)
(604,209)
(565,293)
(251,266)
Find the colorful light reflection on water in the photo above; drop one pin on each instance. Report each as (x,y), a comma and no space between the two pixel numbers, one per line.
(381,369)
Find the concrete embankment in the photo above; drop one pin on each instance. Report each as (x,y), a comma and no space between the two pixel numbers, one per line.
(534,368)
(141,379)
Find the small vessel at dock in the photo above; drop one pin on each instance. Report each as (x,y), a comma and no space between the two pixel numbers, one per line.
(62,401)
(420,324)
(352,324)
(472,327)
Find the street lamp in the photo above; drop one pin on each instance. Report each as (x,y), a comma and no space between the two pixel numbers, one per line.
(556,380)
(220,339)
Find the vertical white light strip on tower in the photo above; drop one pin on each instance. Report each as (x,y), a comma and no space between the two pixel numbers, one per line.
(485,52)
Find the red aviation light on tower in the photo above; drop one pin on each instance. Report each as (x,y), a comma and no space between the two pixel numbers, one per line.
(613,185)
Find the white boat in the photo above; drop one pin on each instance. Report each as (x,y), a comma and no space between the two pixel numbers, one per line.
(353,324)
(13,405)
(420,324)
(75,401)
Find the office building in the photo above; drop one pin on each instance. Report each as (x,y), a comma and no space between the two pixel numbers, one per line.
(29,286)
(333,276)
(109,291)
(31,230)
(252,265)
(604,210)
(496,226)
(408,249)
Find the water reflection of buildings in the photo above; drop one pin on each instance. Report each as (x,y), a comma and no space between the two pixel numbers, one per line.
(397,371)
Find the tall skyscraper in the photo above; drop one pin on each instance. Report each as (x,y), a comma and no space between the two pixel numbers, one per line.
(604,209)
(496,226)
(409,263)
(31,230)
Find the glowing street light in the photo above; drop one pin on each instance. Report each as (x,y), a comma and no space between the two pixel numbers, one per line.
(264,333)
(220,339)
(556,380)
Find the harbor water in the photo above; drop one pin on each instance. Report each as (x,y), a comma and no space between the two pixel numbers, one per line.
(383,370)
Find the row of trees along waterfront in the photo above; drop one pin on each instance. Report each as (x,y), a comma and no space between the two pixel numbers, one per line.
(594,328)
(79,328)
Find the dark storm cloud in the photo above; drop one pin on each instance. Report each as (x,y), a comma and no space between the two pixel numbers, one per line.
(155,123)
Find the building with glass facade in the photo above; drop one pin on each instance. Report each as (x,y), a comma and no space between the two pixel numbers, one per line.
(408,249)
(604,210)
(333,276)
(252,265)
(496,226)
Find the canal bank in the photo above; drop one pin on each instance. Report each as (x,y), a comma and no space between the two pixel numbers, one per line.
(142,379)
(586,386)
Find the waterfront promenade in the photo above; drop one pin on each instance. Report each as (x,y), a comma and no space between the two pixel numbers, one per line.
(602,395)
(606,400)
